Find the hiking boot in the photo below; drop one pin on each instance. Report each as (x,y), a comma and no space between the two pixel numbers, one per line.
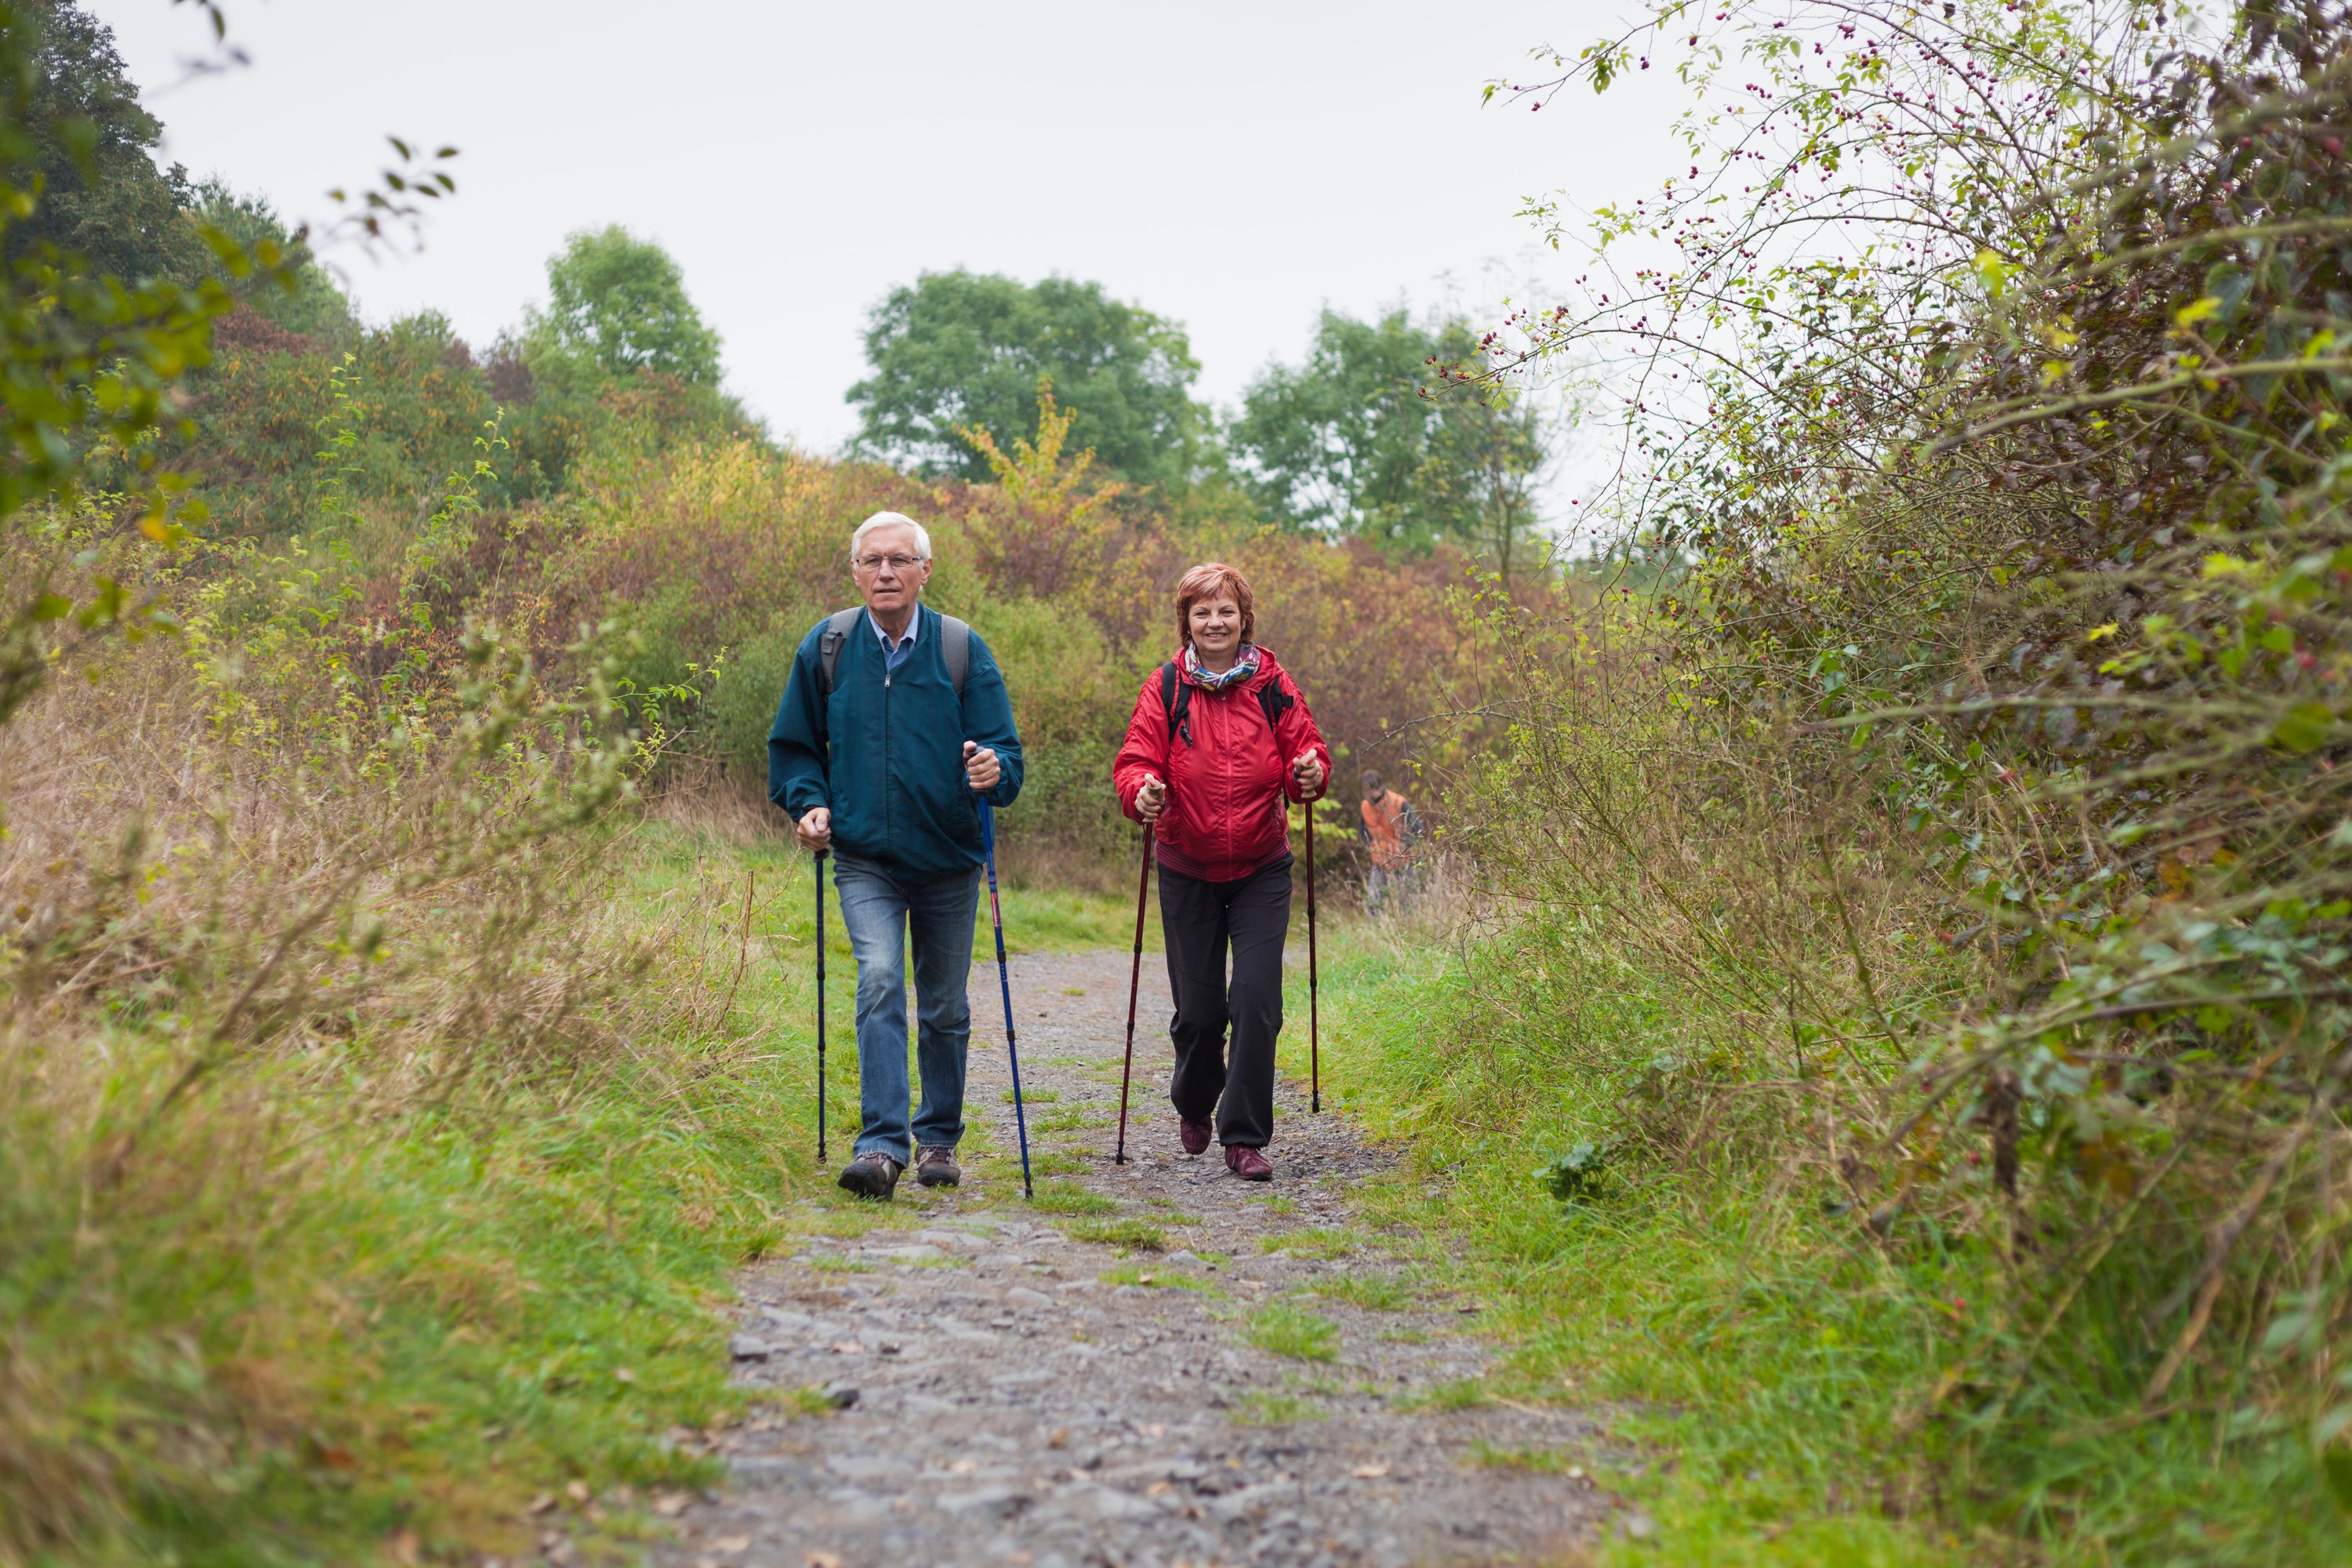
(873,1175)
(1194,1135)
(1249,1164)
(936,1166)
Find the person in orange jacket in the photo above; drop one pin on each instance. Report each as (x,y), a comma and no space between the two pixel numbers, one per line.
(1389,830)
(1220,743)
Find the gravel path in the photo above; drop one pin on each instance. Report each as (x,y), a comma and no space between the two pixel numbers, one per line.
(1156,1365)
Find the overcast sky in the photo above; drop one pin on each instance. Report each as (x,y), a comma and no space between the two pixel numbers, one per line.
(1234,166)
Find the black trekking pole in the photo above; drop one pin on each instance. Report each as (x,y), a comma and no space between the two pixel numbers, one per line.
(819,864)
(1314,1034)
(1134,983)
(1004,981)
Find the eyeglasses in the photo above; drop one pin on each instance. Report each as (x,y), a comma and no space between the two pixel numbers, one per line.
(896,562)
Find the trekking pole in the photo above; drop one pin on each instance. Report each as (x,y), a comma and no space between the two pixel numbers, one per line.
(1314,1034)
(819,864)
(1134,983)
(1004,981)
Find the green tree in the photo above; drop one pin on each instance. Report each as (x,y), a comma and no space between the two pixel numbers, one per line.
(89,151)
(1337,442)
(1374,436)
(301,296)
(968,349)
(617,305)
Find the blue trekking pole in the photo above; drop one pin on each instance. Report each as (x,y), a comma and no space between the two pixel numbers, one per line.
(819,863)
(1004,981)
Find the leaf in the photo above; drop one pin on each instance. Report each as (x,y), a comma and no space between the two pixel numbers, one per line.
(2306,727)
(50,607)
(2335,1464)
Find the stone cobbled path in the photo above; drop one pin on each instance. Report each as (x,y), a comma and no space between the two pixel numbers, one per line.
(1153,1366)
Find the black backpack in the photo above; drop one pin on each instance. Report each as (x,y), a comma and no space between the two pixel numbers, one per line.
(955,644)
(1176,702)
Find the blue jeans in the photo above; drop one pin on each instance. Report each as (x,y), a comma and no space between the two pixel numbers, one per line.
(876,910)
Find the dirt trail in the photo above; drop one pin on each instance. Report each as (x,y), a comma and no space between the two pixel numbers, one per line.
(1025,1395)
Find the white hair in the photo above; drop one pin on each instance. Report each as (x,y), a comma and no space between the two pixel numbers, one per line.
(892,519)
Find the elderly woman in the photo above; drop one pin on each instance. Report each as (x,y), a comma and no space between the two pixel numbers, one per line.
(1220,743)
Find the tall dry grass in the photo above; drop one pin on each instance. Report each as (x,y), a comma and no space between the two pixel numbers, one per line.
(262,926)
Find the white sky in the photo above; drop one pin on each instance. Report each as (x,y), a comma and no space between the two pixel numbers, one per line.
(1234,166)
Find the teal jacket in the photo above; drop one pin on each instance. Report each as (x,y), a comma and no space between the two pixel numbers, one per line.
(887,756)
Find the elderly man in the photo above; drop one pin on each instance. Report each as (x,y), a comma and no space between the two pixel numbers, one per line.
(894,723)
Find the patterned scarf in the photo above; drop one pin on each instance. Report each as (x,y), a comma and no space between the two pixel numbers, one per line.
(1244,666)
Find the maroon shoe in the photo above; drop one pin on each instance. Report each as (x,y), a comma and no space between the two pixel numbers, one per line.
(1249,1164)
(1195,1135)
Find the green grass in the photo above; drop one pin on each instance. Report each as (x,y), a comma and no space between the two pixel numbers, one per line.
(1066,1197)
(1774,1367)
(1262,1409)
(1313,1243)
(810,1401)
(1071,1120)
(1464,1394)
(1279,1207)
(1054,919)
(1372,1292)
(1536,1461)
(1057,1164)
(1031,1096)
(1134,1234)
(1158,1277)
(1279,1328)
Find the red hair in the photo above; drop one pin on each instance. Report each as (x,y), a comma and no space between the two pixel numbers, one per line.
(1214,580)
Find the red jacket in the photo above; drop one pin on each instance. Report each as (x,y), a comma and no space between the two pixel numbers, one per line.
(1226,790)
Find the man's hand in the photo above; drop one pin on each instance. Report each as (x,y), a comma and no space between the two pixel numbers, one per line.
(1151,799)
(980,766)
(1307,769)
(815,829)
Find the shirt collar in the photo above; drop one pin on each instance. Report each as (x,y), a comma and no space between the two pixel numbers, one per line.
(914,624)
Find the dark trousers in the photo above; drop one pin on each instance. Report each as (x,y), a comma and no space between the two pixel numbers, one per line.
(1200,922)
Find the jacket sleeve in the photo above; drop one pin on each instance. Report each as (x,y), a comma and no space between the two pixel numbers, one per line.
(987,712)
(1297,731)
(1145,750)
(797,757)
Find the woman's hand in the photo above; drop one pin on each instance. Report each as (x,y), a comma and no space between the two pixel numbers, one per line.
(1151,799)
(814,829)
(981,767)
(1307,769)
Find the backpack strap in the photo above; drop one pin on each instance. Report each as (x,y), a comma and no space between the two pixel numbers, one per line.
(1176,702)
(955,644)
(828,645)
(1275,702)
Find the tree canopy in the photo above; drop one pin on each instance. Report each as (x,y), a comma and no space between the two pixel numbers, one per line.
(969,349)
(1367,437)
(301,296)
(89,152)
(618,304)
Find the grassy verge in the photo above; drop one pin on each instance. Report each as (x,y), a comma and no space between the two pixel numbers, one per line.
(320,1323)
(1798,1395)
